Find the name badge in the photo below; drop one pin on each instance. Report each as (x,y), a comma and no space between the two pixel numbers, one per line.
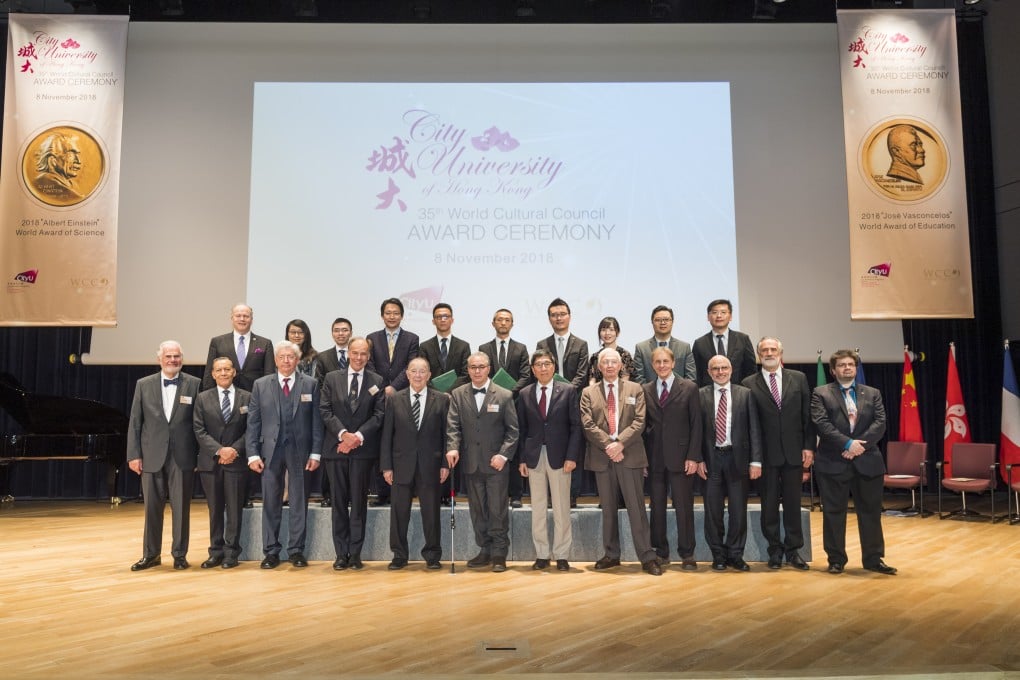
(632,400)
(185,400)
(243,410)
(493,408)
(306,397)
(373,390)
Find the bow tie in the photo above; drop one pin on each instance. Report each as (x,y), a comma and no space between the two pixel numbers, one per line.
(478,390)
(175,381)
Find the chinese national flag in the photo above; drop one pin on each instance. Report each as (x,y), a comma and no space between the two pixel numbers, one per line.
(1009,440)
(910,416)
(957,425)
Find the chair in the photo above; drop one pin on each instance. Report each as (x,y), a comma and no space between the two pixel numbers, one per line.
(906,468)
(973,471)
(1013,493)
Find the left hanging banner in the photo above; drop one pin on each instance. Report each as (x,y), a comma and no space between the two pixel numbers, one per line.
(60,173)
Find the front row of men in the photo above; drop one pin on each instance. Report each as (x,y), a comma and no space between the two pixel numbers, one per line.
(728,434)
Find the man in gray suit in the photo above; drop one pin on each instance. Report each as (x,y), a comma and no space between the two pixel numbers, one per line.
(161,447)
(221,416)
(662,327)
(284,437)
(732,453)
(482,428)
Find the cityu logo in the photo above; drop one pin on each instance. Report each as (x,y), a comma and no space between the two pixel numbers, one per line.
(423,299)
(27,276)
(880,269)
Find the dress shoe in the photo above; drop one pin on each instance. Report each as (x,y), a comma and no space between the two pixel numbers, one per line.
(775,561)
(342,563)
(562,565)
(212,562)
(606,563)
(719,565)
(652,567)
(286,504)
(835,568)
(797,562)
(356,563)
(540,564)
(480,560)
(881,567)
(739,564)
(325,503)
(516,503)
(298,560)
(396,563)
(380,502)
(445,501)
(433,565)
(663,561)
(499,564)
(229,563)
(573,501)
(688,564)
(270,562)
(145,563)
(180,563)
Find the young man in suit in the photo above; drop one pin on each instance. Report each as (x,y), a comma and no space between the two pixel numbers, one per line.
(732,452)
(673,442)
(722,339)
(352,404)
(783,401)
(413,461)
(550,446)
(445,352)
(335,359)
(161,447)
(482,430)
(662,336)
(850,421)
(251,355)
(283,441)
(613,418)
(221,416)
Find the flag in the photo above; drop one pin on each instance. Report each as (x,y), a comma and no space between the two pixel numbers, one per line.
(1009,440)
(859,378)
(957,425)
(910,415)
(820,373)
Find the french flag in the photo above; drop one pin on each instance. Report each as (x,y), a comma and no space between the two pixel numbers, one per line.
(1009,440)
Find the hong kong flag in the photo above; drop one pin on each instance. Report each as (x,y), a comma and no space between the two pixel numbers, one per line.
(957,425)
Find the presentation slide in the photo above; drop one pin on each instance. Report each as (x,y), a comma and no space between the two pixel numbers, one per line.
(487,195)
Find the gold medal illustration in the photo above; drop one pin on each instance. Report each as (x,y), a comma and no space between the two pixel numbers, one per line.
(904,159)
(62,166)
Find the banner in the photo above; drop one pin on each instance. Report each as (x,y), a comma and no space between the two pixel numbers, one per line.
(957,424)
(910,415)
(1009,439)
(60,173)
(909,247)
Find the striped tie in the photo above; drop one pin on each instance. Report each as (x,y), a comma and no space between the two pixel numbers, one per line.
(720,419)
(774,387)
(611,409)
(416,411)
(225,408)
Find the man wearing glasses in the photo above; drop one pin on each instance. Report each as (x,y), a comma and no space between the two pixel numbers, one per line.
(662,327)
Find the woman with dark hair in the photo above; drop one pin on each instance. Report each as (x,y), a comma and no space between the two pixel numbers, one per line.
(609,331)
(298,333)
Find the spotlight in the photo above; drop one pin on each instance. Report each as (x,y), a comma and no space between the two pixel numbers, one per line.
(525,9)
(764,10)
(660,9)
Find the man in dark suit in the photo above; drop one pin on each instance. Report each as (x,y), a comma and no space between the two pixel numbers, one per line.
(413,462)
(161,447)
(732,452)
(283,441)
(722,339)
(613,418)
(352,404)
(221,416)
(392,349)
(251,355)
(335,359)
(550,446)
(482,429)
(445,352)
(850,421)
(673,441)
(783,401)
(662,336)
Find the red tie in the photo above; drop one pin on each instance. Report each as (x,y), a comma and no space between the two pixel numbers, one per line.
(611,408)
(542,404)
(720,419)
(774,388)
(286,387)
(664,395)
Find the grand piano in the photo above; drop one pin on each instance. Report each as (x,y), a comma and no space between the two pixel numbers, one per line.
(61,428)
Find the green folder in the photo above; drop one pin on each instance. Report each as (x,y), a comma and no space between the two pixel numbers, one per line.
(445,382)
(504,379)
(559,378)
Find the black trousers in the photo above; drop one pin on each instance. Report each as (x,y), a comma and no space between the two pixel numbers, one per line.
(835,490)
(780,485)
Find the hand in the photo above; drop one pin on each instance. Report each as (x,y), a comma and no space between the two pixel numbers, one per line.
(135,465)
(569,466)
(444,474)
(856,449)
(690,467)
(807,458)
(615,452)
(755,471)
(312,465)
(523,467)
(226,455)
(702,470)
(388,476)
(257,465)
(389,391)
(452,457)
(497,462)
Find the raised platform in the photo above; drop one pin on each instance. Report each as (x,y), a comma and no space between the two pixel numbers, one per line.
(586,522)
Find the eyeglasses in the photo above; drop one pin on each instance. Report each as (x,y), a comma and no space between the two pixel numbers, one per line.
(543,364)
(442,317)
(558,315)
(478,367)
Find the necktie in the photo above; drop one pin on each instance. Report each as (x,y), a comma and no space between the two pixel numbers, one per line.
(225,408)
(502,353)
(241,354)
(719,346)
(662,344)
(478,390)
(353,394)
(342,361)
(664,394)
(720,419)
(390,343)
(560,347)
(774,387)
(542,404)
(416,410)
(851,406)
(176,382)
(611,410)
(286,387)
(443,352)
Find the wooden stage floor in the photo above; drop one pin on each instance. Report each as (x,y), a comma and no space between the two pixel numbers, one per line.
(71,608)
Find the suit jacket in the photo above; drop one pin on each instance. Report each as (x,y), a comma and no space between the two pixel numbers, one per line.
(829,414)
(258,360)
(154,439)
(325,362)
(560,431)
(644,372)
(365,416)
(266,407)
(213,434)
(518,363)
(456,357)
(745,431)
(406,447)
(478,435)
(392,372)
(739,350)
(630,404)
(787,432)
(672,432)
(575,359)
